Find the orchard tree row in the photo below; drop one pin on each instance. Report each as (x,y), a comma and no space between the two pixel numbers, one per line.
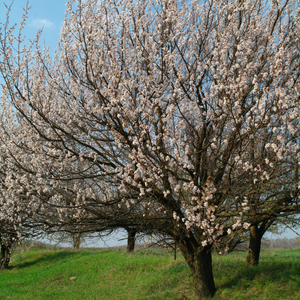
(170,117)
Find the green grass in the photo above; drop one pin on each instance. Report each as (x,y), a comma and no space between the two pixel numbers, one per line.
(147,274)
(276,277)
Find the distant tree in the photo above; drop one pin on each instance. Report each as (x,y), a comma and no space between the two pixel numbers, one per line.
(278,202)
(6,241)
(179,117)
(75,239)
(15,214)
(275,225)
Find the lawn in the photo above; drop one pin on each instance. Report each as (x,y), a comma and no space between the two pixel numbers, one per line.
(146,274)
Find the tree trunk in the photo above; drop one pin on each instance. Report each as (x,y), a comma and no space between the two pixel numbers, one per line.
(200,264)
(131,239)
(5,256)
(254,245)
(76,240)
(175,251)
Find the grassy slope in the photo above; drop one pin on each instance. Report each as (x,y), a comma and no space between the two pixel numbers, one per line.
(113,274)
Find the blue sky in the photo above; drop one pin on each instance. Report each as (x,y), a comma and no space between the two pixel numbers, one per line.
(44,14)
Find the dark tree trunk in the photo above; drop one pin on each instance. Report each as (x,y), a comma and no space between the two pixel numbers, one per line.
(256,234)
(175,250)
(131,239)
(5,256)
(200,263)
(76,237)
(254,245)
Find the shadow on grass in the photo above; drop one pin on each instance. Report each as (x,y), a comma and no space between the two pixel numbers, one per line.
(264,272)
(48,258)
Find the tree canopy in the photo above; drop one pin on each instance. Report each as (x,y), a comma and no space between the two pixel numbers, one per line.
(181,117)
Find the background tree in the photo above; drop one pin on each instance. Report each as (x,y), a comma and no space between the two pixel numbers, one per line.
(181,109)
(15,213)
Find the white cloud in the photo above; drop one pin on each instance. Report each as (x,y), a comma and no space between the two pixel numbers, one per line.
(39,23)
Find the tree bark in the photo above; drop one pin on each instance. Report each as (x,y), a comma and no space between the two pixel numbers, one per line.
(175,250)
(5,256)
(131,239)
(76,240)
(256,234)
(200,263)
(254,245)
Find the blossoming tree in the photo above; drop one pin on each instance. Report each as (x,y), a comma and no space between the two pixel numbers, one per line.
(169,114)
(15,212)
